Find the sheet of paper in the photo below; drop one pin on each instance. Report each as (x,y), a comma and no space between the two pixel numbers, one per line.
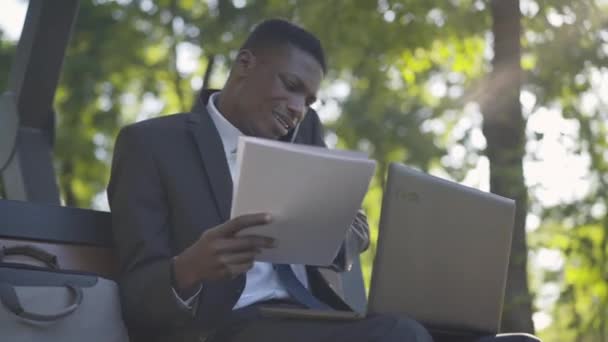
(312,193)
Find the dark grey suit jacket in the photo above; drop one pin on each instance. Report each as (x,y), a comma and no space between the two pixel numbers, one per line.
(169,183)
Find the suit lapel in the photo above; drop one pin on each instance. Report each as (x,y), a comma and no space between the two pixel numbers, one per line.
(211,151)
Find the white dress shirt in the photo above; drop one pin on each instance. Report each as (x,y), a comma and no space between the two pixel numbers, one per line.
(262,282)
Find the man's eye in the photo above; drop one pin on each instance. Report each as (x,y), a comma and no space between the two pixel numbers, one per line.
(289,85)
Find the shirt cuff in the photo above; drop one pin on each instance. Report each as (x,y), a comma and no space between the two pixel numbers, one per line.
(186,304)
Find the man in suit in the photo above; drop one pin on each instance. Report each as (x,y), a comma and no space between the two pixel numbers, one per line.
(186,275)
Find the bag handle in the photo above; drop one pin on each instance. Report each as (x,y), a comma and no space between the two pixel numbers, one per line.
(8,295)
(34,252)
(9,298)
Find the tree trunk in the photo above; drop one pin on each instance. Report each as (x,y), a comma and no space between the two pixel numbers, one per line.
(65,180)
(208,71)
(177,79)
(504,129)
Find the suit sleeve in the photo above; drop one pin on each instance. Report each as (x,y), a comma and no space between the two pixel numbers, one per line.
(357,237)
(140,224)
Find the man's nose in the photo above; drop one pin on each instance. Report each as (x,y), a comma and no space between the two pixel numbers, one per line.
(296,107)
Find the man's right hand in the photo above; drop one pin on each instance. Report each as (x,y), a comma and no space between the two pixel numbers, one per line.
(219,253)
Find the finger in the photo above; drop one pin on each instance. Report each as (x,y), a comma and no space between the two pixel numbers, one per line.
(238,258)
(242,244)
(239,223)
(260,241)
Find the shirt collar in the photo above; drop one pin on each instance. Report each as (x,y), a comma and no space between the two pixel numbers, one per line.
(228,133)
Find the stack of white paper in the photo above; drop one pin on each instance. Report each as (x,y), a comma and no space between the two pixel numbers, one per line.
(313,194)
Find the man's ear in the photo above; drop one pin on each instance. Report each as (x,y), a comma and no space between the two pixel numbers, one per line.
(245,61)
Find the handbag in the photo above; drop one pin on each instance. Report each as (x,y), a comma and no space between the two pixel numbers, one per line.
(49,304)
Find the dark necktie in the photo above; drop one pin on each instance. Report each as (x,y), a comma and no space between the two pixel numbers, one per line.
(297,290)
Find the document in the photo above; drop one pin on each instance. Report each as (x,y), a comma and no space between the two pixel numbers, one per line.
(312,193)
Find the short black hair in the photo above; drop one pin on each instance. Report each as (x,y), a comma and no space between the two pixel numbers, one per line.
(279,32)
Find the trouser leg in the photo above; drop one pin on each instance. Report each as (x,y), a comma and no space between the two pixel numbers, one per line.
(377,328)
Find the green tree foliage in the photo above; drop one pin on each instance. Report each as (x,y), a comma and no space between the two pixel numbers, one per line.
(566,56)
(6,55)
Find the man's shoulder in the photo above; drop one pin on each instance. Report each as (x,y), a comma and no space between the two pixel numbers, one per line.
(156,132)
(160,123)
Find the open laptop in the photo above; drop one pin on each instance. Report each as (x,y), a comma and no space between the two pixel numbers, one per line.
(443,252)
(442,256)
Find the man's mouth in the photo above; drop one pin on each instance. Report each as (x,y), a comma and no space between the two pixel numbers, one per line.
(281,119)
